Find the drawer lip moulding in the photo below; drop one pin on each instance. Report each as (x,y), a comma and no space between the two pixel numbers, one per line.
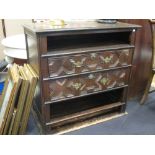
(67,52)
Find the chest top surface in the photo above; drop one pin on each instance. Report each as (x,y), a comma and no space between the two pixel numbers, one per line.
(77,26)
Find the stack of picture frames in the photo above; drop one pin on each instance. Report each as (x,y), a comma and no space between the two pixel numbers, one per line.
(17,99)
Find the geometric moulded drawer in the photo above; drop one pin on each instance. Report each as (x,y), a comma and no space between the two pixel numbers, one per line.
(86,84)
(81,63)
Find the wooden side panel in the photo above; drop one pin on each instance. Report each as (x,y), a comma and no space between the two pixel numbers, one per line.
(33,60)
(33,53)
(35,46)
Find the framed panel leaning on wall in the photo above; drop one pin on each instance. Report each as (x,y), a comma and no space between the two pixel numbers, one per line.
(9,95)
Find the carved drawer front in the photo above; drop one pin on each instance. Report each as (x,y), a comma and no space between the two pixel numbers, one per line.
(85,84)
(81,63)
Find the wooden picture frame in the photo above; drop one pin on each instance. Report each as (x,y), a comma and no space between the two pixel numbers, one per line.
(5,101)
(8,99)
(33,77)
(21,102)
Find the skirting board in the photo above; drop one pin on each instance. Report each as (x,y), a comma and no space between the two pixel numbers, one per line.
(80,125)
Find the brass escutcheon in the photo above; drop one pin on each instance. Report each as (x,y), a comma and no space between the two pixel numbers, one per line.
(91,76)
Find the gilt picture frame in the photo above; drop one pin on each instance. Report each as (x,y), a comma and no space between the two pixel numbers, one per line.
(8,99)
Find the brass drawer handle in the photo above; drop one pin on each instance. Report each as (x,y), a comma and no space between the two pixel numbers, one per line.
(76,85)
(77,64)
(107,59)
(104,80)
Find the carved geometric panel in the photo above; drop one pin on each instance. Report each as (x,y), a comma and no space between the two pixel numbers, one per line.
(81,63)
(85,84)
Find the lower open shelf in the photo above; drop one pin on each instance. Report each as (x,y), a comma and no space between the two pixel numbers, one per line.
(81,112)
(78,110)
(84,114)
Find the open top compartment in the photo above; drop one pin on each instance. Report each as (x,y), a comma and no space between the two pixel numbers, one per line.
(86,40)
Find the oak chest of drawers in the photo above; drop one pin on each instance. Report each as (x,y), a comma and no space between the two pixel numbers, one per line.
(84,70)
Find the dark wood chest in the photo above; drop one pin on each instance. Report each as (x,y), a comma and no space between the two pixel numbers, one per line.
(84,70)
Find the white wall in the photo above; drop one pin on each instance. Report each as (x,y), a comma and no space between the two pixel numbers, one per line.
(1,37)
(15,26)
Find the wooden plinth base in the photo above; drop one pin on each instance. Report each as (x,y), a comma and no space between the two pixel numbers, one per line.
(79,125)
